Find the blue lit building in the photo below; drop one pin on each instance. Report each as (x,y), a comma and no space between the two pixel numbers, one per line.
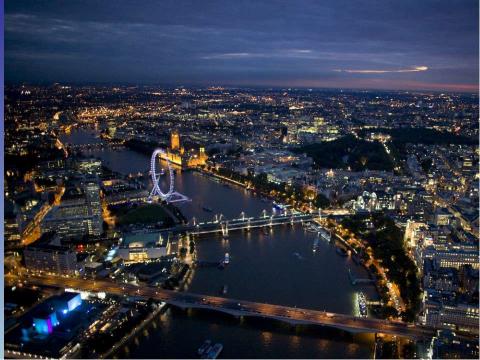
(51,328)
(44,321)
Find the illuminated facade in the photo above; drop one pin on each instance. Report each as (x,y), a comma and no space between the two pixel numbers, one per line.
(175,141)
(135,248)
(47,254)
(198,160)
(45,322)
(78,217)
(178,156)
(462,317)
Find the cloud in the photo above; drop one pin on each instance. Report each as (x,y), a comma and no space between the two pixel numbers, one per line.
(256,42)
(231,56)
(414,69)
(287,53)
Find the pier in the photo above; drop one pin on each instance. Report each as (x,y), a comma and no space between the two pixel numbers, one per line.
(354,280)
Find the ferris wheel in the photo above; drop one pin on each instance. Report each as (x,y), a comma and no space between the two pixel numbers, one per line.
(171,195)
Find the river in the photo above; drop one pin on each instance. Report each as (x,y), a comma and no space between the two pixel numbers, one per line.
(277,266)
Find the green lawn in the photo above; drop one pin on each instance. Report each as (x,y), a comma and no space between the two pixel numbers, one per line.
(143,214)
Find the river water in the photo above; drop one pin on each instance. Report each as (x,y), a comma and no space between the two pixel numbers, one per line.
(277,266)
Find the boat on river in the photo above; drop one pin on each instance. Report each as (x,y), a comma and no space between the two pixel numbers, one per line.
(225,261)
(325,234)
(204,348)
(312,228)
(224,290)
(213,352)
(362,304)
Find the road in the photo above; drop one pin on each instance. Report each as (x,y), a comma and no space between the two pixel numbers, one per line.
(32,232)
(288,314)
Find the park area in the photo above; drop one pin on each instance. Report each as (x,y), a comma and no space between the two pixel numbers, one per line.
(141,214)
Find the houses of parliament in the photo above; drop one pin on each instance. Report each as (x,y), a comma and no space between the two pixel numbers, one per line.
(177,154)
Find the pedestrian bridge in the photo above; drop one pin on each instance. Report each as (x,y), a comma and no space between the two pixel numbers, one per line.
(221,225)
(224,226)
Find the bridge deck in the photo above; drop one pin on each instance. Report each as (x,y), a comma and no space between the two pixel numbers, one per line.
(210,227)
(288,314)
(245,223)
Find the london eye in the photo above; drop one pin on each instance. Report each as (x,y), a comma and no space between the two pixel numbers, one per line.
(171,195)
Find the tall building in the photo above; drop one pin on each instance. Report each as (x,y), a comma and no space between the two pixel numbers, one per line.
(175,141)
(11,225)
(197,160)
(92,193)
(283,134)
(77,217)
(179,156)
(12,231)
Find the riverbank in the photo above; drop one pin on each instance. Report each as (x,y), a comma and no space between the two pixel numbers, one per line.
(161,307)
(217,176)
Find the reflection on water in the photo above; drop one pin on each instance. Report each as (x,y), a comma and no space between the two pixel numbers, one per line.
(323,345)
(267,337)
(294,342)
(263,268)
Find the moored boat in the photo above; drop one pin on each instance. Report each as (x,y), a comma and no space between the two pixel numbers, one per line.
(214,351)
(224,290)
(362,304)
(202,350)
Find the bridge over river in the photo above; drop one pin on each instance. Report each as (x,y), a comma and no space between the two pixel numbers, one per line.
(224,226)
(245,223)
(291,315)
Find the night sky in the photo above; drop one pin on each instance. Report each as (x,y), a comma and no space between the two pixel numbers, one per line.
(402,44)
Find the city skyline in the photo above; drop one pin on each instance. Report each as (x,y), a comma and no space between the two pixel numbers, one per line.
(372,45)
(242,180)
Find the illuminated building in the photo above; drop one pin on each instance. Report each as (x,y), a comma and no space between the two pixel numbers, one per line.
(68,301)
(461,317)
(47,254)
(44,321)
(72,221)
(11,225)
(45,318)
(92,192)
(12,231)
(375,201)
(284,134)
(136,248)
(175,141)
(52,329)
(90,166)
(178,156)
(77,215)
(173,157)
(198,160)
(452,258)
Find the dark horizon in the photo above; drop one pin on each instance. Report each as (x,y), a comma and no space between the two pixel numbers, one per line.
(233,87)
